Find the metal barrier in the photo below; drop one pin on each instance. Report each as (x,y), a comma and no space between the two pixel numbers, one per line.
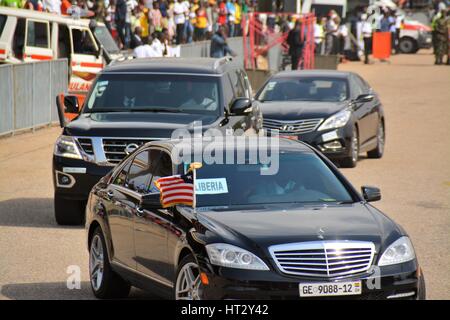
(201,49)
(27,94)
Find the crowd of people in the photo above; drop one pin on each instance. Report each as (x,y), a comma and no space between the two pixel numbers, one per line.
(177,21)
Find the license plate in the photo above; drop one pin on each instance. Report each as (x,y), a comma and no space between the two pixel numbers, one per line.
(326,289)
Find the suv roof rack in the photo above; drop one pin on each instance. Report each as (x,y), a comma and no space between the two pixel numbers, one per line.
(222,61)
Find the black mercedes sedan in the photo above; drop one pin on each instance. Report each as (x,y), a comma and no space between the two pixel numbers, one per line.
(334,111)
(302,233)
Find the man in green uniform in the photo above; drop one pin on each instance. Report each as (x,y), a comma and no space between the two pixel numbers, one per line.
(441,36)
(11,3)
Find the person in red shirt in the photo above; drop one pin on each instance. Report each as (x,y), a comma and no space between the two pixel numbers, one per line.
(65,4)
(222,13)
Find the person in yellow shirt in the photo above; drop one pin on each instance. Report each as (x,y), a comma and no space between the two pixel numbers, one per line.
(238,18)
(201,23)
(143,21)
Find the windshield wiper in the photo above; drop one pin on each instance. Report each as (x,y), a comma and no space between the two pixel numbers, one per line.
(171,110)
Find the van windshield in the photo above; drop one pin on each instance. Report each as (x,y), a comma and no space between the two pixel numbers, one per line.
(154,93)
(2,23)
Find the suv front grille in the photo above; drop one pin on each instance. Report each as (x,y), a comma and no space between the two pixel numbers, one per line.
(115,148)
(326,259)
(292,127)
(86,144)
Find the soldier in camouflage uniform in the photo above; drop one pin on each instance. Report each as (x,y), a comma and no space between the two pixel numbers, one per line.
(441,34)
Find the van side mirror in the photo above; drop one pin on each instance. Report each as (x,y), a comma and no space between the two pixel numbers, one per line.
(241,106)
(371,193)
(367,97)
(100,52)
(71,104)
(151,201)
(59,108)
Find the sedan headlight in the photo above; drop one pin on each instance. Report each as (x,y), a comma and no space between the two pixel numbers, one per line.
(66,146)
(337,120)
(226,255)
(398,252)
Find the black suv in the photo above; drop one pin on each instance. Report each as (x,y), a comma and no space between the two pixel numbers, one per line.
(138,101)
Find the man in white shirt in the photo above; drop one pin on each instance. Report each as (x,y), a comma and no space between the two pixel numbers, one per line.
(52,6)
(200,97)
(366,30)
(179,11)
(143,51)
(157,47)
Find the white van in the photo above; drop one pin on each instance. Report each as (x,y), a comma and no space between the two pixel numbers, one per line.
(27,35)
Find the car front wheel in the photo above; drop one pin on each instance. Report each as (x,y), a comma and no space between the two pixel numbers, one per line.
(188,285)
(105,283)
(381,138)
(422,289)
(408,45)
(352,159)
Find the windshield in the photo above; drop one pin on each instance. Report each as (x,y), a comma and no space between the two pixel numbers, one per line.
(154,93)
(305,89)
(104,37)
(302,178)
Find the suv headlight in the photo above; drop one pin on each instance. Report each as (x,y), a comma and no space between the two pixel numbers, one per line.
(398,252)
(337,120)
(66,146)
(226,255)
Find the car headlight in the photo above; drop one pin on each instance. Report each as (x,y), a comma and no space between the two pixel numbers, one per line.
(226,255)
(66,146)
(398,252)
(337,120)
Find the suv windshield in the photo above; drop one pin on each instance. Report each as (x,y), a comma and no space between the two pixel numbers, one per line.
(302,178)
(305,89)
(154,93)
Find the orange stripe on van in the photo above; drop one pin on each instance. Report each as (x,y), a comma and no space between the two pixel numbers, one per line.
(2,51)
(91,65)
(38,57)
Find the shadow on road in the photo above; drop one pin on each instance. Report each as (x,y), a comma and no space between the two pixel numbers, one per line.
(28,212)
(58,291)
(46,291)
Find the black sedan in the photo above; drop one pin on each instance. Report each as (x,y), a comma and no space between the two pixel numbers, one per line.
(302,233)
(336,112)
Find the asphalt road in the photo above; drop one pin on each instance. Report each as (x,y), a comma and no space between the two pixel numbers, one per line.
(414,176)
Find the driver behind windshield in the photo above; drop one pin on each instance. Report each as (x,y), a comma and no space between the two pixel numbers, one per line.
(199,96)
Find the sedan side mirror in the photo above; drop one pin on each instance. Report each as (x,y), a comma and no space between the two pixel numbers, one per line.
(241,106)
(371,193)
(367,97)
(151,201)
(71,104)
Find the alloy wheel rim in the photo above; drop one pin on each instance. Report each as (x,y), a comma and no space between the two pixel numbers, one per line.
(381,138)
(355,151)
(188,286)
(96,263)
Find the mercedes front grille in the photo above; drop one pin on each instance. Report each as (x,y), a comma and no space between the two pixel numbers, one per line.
(326,259)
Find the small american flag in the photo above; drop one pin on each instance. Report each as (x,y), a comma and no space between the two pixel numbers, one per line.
(178,189)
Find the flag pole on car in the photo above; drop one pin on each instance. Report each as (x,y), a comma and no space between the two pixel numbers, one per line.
(193,167)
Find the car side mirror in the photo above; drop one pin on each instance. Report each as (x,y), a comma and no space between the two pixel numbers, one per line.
(151,201)
(241,106)
(371,193)
(367,97)
(71,104)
